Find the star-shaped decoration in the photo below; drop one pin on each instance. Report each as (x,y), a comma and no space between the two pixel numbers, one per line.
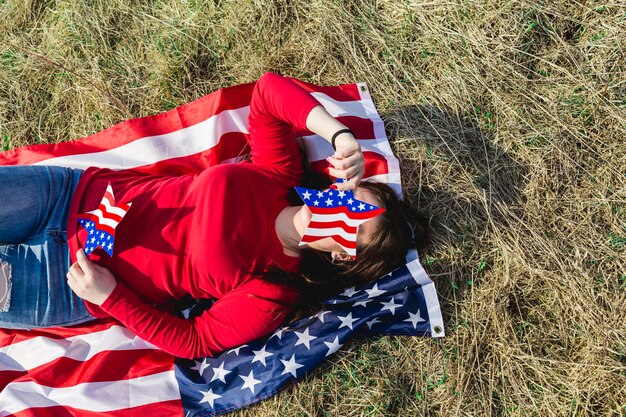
(304,338)
(209,397)
(220,373)
(415,318)
(249,381)
(333,346)
(101,223)
(391,306)
(347,321)
(200,366)
(335,219)
(374,292)
(261,355)
(291,366)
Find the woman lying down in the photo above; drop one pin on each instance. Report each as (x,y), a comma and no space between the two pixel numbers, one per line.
(77,245)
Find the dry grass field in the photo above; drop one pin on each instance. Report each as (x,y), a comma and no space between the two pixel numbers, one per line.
(509,117)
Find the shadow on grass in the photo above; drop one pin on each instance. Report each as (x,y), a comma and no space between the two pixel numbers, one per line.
(468,186)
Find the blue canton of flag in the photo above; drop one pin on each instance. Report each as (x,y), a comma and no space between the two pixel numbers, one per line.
(403,302)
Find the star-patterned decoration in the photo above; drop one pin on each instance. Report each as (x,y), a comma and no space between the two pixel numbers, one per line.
(336,214)
(102,222)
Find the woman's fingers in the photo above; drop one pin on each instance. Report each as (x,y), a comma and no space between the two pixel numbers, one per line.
(352,167)
(85,264)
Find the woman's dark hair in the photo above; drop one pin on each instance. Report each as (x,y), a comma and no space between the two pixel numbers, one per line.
(319,277)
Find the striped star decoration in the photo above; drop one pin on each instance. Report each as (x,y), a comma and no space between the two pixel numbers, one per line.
(336,214)
(101,223)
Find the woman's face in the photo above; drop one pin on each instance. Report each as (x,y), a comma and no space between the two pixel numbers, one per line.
(365,231)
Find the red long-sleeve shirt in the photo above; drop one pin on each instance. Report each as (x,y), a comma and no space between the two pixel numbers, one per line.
(202,235)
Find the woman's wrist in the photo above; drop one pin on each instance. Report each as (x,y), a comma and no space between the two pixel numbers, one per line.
(338,133)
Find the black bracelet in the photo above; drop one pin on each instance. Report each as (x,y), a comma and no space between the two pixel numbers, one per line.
(337,133)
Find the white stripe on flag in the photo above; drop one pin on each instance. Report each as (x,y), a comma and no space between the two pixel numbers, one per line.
(343,108)
(430,296)
(103,220)
(330,231)
(393,164)
(91,396)
(153,149)
(40,350)
(318,148)
(338,217)
(113,209)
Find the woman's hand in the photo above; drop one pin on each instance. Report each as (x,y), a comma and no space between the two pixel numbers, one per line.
(347,162)
(89,281)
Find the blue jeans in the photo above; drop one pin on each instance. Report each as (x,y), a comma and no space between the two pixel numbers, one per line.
(34,256)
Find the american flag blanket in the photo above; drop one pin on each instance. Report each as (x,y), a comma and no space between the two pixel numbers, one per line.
(103,369)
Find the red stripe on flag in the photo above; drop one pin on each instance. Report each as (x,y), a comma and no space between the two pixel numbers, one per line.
(171,408)
(327,225)
(130,130)
(375,164)
(344,209)
(9,337)
(344,92)
(107,215)
(67,372)
(362,128)
(231,145)
(343,242)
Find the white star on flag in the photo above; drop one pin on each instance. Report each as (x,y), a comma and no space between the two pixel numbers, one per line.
(333,346)
(261,355)
(374,292)
(349,292)
(200,366)
(361,303)
(320,315)
(347,321)
(278,333)
(209,397)
(304,338)
(391,306)
(249,381)
(372,322)
(220,373)
(415,318)
(236,350)
(291,366)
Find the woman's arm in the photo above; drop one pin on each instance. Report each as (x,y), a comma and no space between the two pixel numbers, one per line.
(278,105)
(348,161)
(237,318)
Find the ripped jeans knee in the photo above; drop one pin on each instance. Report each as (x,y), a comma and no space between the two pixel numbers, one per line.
(5,286)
